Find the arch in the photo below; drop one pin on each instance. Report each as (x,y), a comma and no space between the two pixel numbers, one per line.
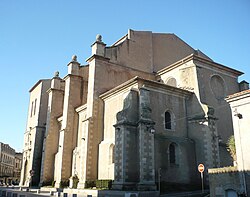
(173,153)
(217,85)
(111,154)
(171,81)
(169,121)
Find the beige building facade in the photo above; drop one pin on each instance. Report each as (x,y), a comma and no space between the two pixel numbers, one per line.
(10,165)
(147,108)
(34,134)
(17,168)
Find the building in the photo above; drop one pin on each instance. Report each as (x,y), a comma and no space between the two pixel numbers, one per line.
(146,106)
(8,165)
(34,134)
(236,180)
(17,168)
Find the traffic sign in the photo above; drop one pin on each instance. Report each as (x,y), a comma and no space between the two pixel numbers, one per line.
(201,168)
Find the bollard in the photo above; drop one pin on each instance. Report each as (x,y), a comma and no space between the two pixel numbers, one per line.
(65,195)
(38,191)
(74,195)
(51,193)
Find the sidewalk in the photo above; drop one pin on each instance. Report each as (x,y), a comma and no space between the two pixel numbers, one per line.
(23,192)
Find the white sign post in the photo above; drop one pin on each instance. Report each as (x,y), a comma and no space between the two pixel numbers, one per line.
(201,169)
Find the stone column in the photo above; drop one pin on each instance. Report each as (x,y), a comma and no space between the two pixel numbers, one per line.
(146,143)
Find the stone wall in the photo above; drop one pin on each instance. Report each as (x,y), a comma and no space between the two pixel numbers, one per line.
(226,179)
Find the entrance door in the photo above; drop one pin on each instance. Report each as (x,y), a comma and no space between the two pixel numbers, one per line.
(231,193)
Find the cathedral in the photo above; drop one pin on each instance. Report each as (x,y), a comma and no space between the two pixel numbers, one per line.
(147,109)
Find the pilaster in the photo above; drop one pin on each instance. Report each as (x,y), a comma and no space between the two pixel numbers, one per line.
(126,145)
(68,132)
(51,138)
(146,143)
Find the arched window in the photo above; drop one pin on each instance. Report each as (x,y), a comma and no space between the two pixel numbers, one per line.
(172,156)
(168,120)
(111,154)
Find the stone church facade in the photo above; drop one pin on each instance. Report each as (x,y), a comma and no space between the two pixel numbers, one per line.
(145,109)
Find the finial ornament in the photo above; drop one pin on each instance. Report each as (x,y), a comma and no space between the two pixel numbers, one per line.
(56,74)
(74,58)
(98,38)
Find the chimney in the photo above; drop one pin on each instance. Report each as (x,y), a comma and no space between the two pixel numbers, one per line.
(243,85)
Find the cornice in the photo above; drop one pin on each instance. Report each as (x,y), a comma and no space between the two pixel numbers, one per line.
(70,75)
(97,57)
(54,89)
(147,84)
(194,57)
(81,108)
(37,83)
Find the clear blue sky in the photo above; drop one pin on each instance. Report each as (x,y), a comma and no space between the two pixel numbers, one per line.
(38,38)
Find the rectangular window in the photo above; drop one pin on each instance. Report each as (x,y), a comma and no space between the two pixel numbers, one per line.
(35,107)
(31,109)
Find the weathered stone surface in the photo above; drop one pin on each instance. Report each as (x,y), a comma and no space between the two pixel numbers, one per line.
(148,107)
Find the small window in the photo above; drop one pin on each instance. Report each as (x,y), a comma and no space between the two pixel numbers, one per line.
(168,120)
(31,109)
(35,107)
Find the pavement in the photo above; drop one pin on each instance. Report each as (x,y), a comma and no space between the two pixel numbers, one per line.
(16,191)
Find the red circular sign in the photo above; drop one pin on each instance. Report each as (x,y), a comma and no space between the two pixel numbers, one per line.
(201,168)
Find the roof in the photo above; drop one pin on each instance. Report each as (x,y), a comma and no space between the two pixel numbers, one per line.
(238,94)
(148,83)
(37,83)
(200,59)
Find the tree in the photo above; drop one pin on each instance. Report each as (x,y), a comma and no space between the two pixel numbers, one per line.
(231,147)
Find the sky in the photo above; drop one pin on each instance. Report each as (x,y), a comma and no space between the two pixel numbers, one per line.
(38,38)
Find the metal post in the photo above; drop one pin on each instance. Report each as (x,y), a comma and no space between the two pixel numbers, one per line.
(202,184)
(159,179)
